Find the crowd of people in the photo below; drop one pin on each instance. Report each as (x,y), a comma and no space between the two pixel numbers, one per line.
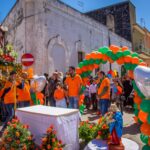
(64,91)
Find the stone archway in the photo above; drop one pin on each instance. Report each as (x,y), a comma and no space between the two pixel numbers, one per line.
(57,54)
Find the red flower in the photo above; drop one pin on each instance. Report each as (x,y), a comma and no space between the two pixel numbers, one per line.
(51,126)
(54,132)
(53,140)
(3,148)
(44,140)
(60,142)
(81,123)
(14,125)
(48,146)
(104,126)
(9,139)
(49,130)
(26,126)
(5,132)
(18,141)
(13,120)
(91,127)
(29,138)
(99,132)
(8,123)
(87,121)
(24,147)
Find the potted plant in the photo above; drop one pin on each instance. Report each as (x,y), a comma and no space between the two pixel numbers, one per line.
(50,140)
(17,137)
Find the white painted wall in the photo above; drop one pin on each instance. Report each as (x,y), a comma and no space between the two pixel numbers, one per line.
(50,27)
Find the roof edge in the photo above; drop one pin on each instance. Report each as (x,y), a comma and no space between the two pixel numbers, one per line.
(9,11)
(127,1)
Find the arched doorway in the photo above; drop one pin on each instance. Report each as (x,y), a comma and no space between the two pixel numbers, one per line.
(57,55)
(59,58)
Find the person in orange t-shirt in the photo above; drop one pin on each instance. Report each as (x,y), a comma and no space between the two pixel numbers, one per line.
(9,96)
(59,96)
(103,93)
(73,82)
(23,91)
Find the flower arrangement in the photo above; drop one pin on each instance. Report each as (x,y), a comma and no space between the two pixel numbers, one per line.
(86,131)
(17,137)
(50,141)
(89,131)
(102,132)
(7,55)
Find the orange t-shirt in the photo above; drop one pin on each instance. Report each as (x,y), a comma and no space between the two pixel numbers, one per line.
(10,96)
(24,94)
(1,92)
(74,84)
(59,94)
(105,83)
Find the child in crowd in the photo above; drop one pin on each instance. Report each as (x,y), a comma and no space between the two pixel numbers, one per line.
(115,124)
(116,94)
(59,95)
(92,94)
(87,98)
(40,98)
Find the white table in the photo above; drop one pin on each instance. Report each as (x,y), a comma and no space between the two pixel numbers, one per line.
(97,145)
(102,145)
(65,122)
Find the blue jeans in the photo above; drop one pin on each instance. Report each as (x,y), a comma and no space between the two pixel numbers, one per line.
(10,110)
(103,105)
(10,114)
(52,102)
(23,104)
(61,103)
(73,102)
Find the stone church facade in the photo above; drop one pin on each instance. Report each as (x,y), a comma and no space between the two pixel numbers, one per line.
(55,34)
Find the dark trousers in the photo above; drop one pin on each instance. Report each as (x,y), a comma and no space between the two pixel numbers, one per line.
(94,100)
(52,101)
(87,102)
(10,114)
(23,104)
(47,101)
(3,112)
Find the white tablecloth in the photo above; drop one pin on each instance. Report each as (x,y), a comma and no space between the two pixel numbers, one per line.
(65,122)
(102,145)
(97,145)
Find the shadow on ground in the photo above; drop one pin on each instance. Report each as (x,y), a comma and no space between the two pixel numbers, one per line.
(93,118)
(132,129)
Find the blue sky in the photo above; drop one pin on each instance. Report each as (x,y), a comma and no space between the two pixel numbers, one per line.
(142,7)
